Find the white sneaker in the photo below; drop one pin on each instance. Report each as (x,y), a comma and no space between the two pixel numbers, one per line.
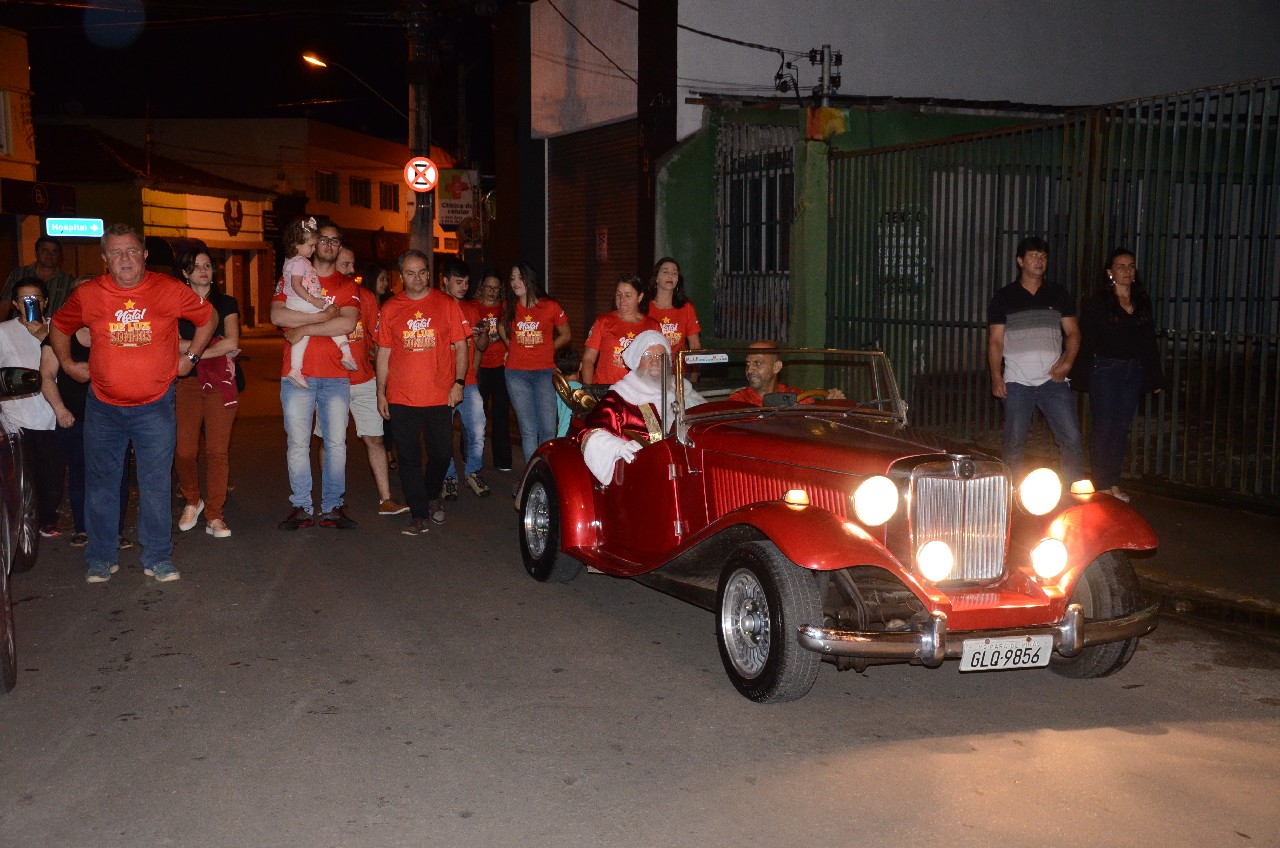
(189,515)
(217,528)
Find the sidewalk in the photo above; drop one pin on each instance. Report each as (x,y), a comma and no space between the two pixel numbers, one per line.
(1214,561)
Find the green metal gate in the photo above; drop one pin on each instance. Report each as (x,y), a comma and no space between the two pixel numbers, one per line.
(922,235)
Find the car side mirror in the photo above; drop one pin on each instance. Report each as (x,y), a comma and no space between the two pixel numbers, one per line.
(15,382)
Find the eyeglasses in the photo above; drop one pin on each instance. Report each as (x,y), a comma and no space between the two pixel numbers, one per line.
(131,252)
(328,240)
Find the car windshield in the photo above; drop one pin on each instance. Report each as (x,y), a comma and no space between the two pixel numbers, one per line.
(789,380)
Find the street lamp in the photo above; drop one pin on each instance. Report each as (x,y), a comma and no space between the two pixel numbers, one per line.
(421,229)
(313,59)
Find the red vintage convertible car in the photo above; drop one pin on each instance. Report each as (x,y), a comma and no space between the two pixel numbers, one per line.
(828,529)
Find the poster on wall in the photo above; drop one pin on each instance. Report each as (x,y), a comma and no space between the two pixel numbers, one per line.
(456,196)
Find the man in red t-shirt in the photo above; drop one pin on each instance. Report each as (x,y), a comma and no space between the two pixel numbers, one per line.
(422,368)
(132,315)
(455,278)
(327,398)
(762,377)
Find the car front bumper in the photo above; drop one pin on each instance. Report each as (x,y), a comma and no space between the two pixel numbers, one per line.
(934,644)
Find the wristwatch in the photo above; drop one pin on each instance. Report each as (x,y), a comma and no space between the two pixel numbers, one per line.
(194,357)
(461,382)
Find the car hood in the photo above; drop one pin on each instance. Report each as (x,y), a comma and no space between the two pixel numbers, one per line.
(853,444)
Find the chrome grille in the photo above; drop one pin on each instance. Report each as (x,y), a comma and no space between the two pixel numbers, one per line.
(970,514)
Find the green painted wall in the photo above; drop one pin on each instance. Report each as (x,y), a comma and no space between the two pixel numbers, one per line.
(685,220)
(685,224)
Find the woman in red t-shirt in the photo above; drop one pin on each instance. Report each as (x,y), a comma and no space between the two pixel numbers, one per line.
(611,333)
(670,307)
(492,373)
(533,328)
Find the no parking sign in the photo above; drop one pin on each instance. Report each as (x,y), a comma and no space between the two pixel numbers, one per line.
(421,174)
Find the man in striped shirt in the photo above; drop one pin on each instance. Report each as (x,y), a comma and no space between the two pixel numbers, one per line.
(1033,339)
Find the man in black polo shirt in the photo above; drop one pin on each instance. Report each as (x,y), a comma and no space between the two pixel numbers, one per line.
(1028,322)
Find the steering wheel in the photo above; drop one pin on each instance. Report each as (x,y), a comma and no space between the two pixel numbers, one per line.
(820,394)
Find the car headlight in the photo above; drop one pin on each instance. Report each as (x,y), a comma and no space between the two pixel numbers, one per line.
(935,560)
(1049,558)
(875,501)
(1040,491)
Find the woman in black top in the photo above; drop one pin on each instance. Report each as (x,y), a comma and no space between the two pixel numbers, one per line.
(207,396)
(1118,362)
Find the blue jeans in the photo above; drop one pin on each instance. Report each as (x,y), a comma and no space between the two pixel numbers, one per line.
(108,430)
(72,441)
(533,396)
(1115,389)
(327,400)
(1058,404)
(471,411)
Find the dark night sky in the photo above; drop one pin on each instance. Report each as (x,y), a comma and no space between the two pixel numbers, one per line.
(197,58)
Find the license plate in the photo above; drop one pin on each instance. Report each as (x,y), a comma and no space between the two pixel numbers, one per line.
(1007,652)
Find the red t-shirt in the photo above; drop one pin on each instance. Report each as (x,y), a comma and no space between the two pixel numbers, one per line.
(470,314)
(533,336)
(362,338)
(134,332)
(746,394)
(609,337)
(323,358)
(678,323)
(420,335)
(496,353)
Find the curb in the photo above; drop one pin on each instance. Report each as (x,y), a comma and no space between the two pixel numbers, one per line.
(1212,605)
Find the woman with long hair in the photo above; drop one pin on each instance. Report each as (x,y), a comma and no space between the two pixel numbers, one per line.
(667,304)
(207,399)
(1119,361)
(533,328)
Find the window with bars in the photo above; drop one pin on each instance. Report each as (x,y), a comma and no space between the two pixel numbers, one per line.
(389,197)
(361,192)
(327,190)
(757,213)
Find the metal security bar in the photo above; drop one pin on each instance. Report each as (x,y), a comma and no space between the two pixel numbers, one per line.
(922,235)
(754,200)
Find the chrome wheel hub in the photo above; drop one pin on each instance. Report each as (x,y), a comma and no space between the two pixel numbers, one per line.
(537,520)
(744,623)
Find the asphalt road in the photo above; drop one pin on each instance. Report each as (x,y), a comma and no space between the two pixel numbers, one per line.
(363,688)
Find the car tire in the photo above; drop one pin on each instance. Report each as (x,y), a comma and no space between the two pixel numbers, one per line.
(761,601)
(540,530)
(1107,589)
(26,536)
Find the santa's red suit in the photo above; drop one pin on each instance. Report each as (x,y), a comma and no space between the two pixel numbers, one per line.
(630,415)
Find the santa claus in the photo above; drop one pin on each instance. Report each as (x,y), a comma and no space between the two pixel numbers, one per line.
(637,410)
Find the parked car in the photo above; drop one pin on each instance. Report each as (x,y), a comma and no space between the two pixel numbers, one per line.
(828,529)
(19,518)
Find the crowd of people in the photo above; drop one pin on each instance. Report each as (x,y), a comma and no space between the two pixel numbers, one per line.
(142,364)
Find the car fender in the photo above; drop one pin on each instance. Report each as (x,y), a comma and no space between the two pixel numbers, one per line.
(574,490)
(810,536)
(1091,528)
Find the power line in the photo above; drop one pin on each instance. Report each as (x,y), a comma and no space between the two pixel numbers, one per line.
(585,38)
(723,38)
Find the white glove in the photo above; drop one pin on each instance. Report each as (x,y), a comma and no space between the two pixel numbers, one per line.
(627,452)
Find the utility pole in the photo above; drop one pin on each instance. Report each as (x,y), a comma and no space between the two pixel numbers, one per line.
(829,72)
(422,227)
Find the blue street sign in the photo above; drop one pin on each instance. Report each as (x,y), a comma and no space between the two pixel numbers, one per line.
(82,227)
